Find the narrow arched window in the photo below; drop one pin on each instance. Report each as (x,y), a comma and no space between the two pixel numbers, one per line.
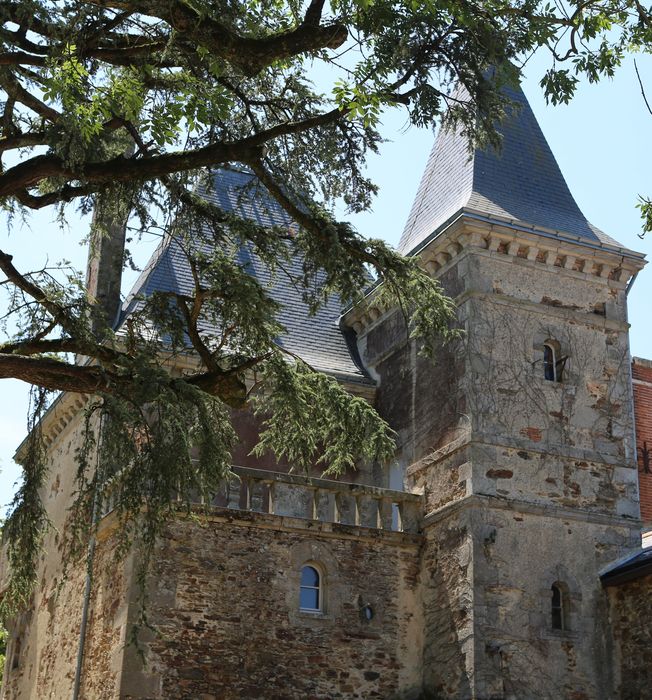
(310,592)
(559,607)
(553,362)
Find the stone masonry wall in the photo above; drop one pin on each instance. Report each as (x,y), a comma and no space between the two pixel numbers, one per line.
(225,601)
(49,630)
(487,571)
(527,481)
(630,615)
(642,386)
(49,636)
(418,396)
(518,554)
(447,589)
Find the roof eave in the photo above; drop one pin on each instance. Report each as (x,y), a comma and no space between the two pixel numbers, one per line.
(520,226)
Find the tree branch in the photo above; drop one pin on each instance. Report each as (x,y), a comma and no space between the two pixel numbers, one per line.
(640,83)
(34,291)
(251,55)
(61,376)
(14,89)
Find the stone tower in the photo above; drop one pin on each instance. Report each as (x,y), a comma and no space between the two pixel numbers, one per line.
(521,436)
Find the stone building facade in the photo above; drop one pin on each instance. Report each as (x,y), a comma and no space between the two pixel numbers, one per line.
(498,555)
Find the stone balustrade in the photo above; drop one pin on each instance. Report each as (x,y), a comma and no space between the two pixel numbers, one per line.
(326,500)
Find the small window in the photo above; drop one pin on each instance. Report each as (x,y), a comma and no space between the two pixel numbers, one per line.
(553,362)
(559,607)
(310,593)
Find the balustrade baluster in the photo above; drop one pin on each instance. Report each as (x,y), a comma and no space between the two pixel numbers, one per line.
(337,507)
(271,488)
(247,492)
(397,520)
(315,505)
(233,493)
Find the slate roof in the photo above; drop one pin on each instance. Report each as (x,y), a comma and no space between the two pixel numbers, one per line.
(522,184)
(317,339)
(631,567)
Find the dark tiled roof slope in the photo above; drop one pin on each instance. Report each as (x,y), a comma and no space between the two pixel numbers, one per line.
(522,183)
(631,567)
(317,339)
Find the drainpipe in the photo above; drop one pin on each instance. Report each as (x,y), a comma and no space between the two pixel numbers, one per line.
(90,558)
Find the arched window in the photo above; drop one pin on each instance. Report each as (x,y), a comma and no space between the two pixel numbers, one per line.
(553,362)
(310,591)
(559,608)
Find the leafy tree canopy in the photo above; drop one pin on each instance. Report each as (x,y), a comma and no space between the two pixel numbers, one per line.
(123,107)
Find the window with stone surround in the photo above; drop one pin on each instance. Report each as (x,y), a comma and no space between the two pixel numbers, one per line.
(310,589)
(560,606)
(553,362)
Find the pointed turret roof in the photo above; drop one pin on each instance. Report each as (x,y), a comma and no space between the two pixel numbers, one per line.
(522,183)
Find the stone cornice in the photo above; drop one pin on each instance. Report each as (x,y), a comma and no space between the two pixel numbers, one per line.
(282,523)
(503,240)
(476,439)
(55,420)
(470,232)
(477,501)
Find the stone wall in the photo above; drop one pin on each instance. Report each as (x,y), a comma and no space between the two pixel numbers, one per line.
(224,599)
(631,616)
(526,481)
(642,386)
(569,442)
(487,572)
(420,397)
(48,633)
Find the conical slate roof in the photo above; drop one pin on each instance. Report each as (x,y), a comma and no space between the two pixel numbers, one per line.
(522,183)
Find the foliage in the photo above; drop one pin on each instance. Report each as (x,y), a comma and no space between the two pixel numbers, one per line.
(3,650)
(124,107)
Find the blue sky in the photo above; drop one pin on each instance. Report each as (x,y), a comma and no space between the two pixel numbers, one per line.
(601,142)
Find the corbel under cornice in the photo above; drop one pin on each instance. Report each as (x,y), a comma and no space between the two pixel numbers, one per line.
(469,230)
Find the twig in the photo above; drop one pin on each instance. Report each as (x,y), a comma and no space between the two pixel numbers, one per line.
(640,82)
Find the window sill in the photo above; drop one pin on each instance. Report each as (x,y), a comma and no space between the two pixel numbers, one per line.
(312,615)
(560,634)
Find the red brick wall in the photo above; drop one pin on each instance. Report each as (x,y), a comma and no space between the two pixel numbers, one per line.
(642,376)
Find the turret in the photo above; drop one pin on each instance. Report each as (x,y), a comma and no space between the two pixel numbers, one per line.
(520,436)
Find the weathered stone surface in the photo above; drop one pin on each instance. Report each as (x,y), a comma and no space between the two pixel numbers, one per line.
(526,483)
(224,598)
(49,631)
(630,614)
